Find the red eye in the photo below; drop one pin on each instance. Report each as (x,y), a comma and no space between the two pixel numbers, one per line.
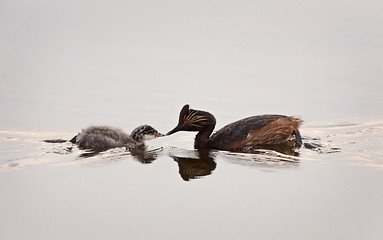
(185,122)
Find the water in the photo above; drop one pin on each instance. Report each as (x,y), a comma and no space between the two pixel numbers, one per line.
(67,65)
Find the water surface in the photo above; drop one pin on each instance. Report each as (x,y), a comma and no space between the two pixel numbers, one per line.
(324,192)
(66,65)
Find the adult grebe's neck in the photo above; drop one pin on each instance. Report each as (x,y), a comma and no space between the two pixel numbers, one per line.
(202,138)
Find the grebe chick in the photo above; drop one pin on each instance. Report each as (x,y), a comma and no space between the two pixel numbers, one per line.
(104,137)
(257,131)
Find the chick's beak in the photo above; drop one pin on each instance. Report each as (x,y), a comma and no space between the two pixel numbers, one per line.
(157,134)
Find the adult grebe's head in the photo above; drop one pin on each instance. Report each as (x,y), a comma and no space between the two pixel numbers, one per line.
(193,120)
(145,132)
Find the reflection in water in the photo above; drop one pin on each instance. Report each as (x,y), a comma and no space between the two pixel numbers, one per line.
(139,153)
(88,154)
(60,147)
(358,144)
(263,158)
(143,155)
(201,162)
(287,148)
(195,167)
(315,144)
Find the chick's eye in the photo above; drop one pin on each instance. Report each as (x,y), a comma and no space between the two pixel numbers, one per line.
(185,122)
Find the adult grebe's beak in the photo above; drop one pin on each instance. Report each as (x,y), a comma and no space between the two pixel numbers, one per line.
(176,129)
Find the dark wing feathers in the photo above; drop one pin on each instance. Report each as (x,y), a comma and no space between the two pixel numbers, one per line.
(239,130)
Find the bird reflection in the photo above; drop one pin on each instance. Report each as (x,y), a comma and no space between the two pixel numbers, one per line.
(263,158)
(143,155)
(139,153)
(89,154)
(195,167)
(196,163)
(286,148)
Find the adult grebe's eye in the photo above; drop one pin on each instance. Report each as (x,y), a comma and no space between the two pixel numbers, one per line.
(185,122)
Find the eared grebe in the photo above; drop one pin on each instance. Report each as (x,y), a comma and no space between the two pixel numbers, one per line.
(104,137)
(257,131)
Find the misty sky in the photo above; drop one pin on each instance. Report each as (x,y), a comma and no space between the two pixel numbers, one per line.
(90,59)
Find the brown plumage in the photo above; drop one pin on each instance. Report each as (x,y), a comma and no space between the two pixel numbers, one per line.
(255,131)
(276,132)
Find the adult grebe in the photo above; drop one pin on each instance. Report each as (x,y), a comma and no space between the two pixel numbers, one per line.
(257,131)
(104,137)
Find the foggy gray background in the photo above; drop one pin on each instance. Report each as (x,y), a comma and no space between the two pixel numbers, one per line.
(67,64)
